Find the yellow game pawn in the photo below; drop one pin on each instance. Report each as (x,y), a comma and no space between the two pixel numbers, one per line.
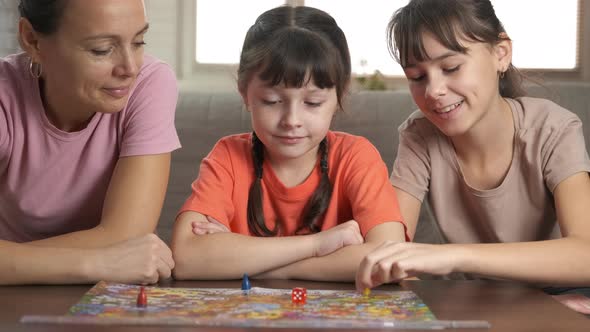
(367,292)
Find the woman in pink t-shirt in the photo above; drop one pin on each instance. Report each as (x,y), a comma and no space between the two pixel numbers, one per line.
(506,176)
(86,132)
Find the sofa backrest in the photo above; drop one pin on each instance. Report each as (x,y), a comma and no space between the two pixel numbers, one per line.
(203,118)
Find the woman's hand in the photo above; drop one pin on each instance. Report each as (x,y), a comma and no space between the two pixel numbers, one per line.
(143,260)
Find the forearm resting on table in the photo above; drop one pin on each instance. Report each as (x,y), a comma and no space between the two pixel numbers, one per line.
(26,264)
(96,237)
(556,262)
(230,255)
(340,265)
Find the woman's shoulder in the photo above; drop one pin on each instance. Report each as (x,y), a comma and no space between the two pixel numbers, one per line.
(156,72)
(13,74)
(151,63)
(154,92)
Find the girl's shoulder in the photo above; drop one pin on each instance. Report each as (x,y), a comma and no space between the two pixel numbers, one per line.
(345,145)
(418,125)
(540,114)
(240,141)
(236,146)
(339,140)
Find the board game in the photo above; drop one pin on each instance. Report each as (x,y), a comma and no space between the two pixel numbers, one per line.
(109,303)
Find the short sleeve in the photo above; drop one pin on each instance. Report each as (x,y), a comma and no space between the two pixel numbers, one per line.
(149,120)
(4,139)
(372,197)
(3,133)
(213,188)
(564,153)
(411,168)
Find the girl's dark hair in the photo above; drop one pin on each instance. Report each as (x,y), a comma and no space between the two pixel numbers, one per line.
(448,21)
(293,46)
(44,15)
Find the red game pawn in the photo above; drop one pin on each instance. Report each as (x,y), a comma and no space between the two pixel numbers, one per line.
(299,295)
(142,298)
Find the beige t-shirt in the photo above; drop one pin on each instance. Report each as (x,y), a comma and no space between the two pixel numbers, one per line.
(549,147)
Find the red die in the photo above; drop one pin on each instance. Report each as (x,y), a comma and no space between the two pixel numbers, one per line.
(299,295)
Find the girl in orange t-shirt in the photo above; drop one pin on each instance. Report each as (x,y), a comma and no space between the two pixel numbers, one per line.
(292,199)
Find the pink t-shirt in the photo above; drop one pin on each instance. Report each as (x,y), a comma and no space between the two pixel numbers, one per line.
(54,182)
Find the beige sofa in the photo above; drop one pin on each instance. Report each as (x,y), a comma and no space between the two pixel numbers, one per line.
(203,118)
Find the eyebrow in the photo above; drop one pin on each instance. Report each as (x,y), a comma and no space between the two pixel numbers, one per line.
(111,36)
(440,57)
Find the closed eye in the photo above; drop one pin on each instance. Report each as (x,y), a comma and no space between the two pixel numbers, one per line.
(102,52)
(313,104)
(269,102)
(416,78)
(451,70)
(139,44)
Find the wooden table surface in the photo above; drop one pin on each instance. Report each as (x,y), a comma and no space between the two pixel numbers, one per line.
(506,306)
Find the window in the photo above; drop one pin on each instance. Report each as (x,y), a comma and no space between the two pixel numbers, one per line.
(222,26)
(545,38)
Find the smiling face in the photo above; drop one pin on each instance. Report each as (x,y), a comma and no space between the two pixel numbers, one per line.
(454,90)
(291,122)
(91,62)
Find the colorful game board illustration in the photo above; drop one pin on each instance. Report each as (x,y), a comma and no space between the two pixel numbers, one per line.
(108,303)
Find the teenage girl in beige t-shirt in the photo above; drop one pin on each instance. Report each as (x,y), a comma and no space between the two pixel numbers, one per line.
(506,176)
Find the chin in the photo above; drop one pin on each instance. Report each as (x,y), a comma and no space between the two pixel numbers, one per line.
(112,107)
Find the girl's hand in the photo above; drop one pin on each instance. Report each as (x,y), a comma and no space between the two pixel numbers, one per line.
(143,260)
(576,302)
(211,226)
(393,261)
(343,235)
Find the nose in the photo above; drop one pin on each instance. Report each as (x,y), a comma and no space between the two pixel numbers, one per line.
(436,87)
(127,64)
(291,117)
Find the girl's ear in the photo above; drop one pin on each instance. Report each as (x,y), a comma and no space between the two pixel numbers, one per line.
(503,53)
(28,39)
(245,100)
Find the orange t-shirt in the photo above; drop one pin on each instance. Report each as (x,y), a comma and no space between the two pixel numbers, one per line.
(360,180)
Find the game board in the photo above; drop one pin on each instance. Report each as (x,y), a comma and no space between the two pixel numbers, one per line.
(108,303)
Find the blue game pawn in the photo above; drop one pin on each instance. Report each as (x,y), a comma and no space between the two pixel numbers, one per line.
(246,284)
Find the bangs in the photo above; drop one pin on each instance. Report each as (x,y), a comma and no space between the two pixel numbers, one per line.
(436,17)
(295,57)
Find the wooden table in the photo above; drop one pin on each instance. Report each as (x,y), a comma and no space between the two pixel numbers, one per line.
(507,306)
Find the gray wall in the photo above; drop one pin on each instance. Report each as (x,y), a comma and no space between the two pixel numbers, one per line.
(8,26)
